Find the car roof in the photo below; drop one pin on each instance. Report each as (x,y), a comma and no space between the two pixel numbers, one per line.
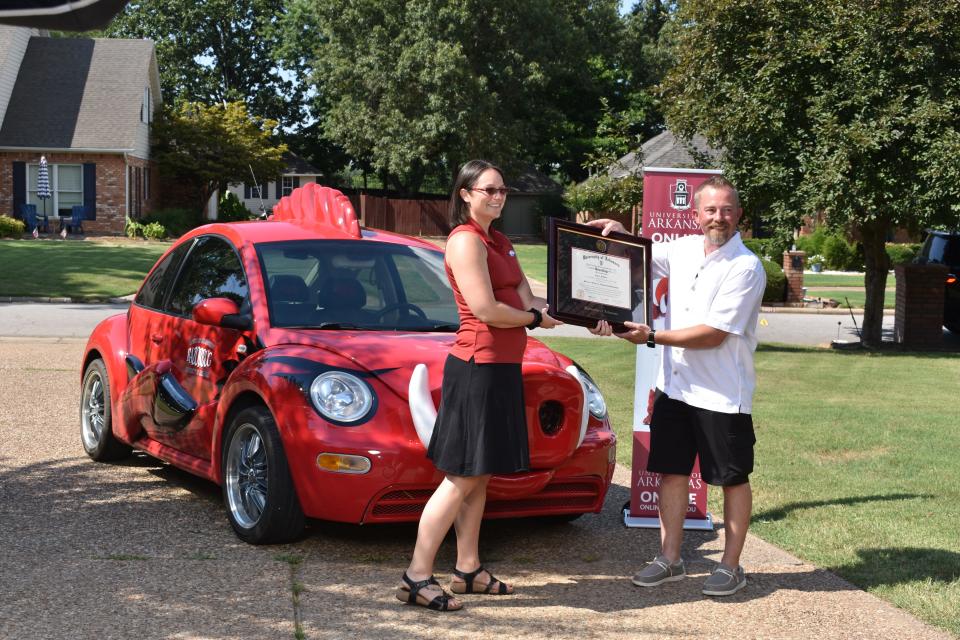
(258,231)
(943,234)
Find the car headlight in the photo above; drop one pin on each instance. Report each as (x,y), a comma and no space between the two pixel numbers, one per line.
(341,397)
(595,402)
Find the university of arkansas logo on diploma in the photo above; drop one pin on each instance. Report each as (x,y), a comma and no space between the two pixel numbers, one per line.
(668,213)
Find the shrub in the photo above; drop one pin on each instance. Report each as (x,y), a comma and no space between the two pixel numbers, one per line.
(230,209)
(840,255)
(776,290)
(176,222)
(813,243)
(902,253)
(154,231)
(133,228)
(11,227)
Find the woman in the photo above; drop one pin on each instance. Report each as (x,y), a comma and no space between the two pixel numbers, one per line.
(481,426)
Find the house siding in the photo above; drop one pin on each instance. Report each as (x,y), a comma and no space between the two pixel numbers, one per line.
(253,204)
(13,44)
(111,185)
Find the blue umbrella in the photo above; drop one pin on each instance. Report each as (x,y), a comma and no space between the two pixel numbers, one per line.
(43,183)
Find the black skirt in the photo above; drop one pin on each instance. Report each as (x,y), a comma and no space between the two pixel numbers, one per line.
(481,425)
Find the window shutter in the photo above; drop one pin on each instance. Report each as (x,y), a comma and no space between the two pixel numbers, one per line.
(246,191)
(90,190)
(296,181)
(19,187)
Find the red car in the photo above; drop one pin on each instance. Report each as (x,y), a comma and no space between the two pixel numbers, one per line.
(297,363)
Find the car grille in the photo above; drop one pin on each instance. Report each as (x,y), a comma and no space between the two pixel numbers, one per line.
(565,496)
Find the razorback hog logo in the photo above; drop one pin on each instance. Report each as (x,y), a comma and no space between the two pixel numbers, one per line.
(660,298)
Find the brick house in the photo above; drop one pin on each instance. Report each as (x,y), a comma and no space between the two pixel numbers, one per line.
(86,104)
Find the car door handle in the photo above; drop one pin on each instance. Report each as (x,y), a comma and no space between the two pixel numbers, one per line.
(156,338)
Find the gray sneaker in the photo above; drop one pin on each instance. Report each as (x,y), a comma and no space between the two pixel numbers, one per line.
(724,581)
(660,571)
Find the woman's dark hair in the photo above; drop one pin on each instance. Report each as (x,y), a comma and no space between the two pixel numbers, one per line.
(468,176)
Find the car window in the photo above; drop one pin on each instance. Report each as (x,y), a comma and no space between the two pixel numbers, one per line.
(157,284)
(369,285)
(212,270)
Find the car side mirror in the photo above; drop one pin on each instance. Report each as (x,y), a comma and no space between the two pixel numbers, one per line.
(221,312)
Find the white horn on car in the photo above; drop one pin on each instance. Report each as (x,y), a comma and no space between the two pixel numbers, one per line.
(422,409)
(585,417)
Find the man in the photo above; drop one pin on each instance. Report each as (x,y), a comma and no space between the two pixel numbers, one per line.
(706,380)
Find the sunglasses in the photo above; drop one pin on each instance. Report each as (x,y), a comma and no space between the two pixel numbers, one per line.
(492,191)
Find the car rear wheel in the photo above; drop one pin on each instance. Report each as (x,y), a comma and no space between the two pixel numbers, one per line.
(96,416)
(261,502)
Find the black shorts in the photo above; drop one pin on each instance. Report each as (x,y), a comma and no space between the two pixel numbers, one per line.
(678,432)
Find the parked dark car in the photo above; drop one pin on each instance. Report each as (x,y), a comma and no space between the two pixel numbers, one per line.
(943,247)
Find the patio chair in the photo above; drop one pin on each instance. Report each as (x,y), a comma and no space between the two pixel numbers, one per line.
(77,213)
(33,219)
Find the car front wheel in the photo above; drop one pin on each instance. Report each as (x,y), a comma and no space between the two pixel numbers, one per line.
(261,502)
(96,430)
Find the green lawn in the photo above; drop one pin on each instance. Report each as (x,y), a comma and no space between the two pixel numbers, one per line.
(856,468)
(75,269)
(533,260)
(857,297)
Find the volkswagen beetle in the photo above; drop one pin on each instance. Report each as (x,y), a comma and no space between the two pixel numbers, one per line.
(297,363)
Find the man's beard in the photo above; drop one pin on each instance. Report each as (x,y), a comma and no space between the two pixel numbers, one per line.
(718,236)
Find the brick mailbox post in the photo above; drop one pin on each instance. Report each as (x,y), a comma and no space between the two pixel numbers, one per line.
(918,320)
(793,262)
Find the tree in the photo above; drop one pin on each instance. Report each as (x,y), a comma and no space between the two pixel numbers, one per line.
(846,107)
(413,89)
(217,51)
(205,147)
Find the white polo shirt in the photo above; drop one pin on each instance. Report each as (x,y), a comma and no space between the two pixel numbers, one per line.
(722,290)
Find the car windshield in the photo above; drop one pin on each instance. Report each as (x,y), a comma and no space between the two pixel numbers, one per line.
(349,284)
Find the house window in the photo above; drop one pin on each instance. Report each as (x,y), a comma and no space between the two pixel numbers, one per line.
(145,107)
(287,186)
(66,188)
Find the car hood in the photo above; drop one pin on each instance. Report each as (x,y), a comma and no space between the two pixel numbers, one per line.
(391,356)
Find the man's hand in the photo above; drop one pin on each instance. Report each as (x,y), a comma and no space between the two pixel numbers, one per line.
(636,333)
(606,225)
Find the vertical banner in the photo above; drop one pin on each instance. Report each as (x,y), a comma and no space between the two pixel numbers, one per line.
(668,213)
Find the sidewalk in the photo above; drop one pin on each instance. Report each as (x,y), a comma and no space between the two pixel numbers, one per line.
(140,550)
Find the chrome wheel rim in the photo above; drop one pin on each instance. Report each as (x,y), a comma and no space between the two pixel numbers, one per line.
(93,411)
(246,476)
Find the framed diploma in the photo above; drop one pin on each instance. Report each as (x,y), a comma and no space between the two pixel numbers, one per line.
(593,277)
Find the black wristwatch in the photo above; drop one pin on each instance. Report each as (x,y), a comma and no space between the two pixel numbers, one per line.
(650,338)
(537,318)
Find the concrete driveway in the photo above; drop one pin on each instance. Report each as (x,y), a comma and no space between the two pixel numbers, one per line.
(141,550)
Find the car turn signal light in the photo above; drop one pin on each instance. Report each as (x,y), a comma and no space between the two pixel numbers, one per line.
(951,279)
(343,463)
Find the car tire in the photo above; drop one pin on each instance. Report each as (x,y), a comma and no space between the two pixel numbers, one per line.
(258,492)
(96,416)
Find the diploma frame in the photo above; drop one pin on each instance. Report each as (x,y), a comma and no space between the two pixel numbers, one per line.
(593,277)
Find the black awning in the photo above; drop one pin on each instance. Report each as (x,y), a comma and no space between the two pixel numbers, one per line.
(72,15)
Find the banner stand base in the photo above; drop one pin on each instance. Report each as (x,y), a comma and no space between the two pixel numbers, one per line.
(691,524)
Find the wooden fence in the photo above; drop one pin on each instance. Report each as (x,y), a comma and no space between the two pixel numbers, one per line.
(406,216)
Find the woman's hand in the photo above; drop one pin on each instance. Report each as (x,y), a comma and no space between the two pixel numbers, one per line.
(548,321)
(606,225)
(603,328)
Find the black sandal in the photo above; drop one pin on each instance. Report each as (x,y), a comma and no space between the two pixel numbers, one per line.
(439,603)
(468,578)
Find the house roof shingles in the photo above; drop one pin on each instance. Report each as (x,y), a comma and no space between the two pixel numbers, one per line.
(77,93)
(664,150)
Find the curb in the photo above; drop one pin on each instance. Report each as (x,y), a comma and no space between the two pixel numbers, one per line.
(55,300)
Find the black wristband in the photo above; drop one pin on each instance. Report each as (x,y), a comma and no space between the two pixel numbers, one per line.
(537,318)
(651,342)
